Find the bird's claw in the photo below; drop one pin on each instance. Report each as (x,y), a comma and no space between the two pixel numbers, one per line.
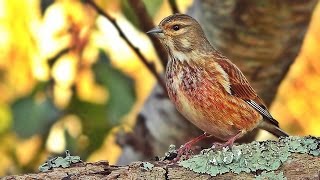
(184,151)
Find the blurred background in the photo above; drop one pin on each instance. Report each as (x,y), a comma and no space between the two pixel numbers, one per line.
(68,80)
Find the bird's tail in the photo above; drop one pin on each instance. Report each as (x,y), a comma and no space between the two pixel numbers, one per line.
(273,129)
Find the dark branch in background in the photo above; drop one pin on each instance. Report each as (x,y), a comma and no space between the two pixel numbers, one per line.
(173,6)
(149,65)
(146,23)
(53,60)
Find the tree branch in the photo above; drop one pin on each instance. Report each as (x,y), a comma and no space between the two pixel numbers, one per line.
(136,50)
(173,6)
(295,162)
(146,23)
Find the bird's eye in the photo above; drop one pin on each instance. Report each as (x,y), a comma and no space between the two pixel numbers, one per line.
(176,27)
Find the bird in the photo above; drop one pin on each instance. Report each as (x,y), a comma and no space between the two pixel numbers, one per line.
(206,87)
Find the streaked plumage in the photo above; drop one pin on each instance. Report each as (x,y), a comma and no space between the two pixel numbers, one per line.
(206,87)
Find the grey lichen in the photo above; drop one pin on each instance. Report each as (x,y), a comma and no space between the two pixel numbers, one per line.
(147,166)
(263,156)
(271,176)
(59,162)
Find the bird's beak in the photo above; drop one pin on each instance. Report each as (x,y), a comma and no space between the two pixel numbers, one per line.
(155,30)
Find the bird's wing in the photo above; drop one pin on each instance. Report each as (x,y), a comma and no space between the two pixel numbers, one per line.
(241,88)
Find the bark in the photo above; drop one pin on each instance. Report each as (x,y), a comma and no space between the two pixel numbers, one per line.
(262,37)
(298,166)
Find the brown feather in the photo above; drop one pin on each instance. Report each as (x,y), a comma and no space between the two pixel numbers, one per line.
(240,86)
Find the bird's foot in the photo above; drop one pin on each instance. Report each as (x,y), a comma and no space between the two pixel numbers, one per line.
(185,150)
(229,143)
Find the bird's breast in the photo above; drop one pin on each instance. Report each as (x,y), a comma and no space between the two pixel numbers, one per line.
(202,99)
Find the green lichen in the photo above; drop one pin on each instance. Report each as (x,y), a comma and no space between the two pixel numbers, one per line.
(263,156)
(59,162)
(147,166)
(271,176)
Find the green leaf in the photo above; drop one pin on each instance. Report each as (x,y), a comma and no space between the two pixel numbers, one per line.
(94,120)
(98,119)
(120,87)
(33,115)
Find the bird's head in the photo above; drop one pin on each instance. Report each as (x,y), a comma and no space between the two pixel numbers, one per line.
(180,33)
